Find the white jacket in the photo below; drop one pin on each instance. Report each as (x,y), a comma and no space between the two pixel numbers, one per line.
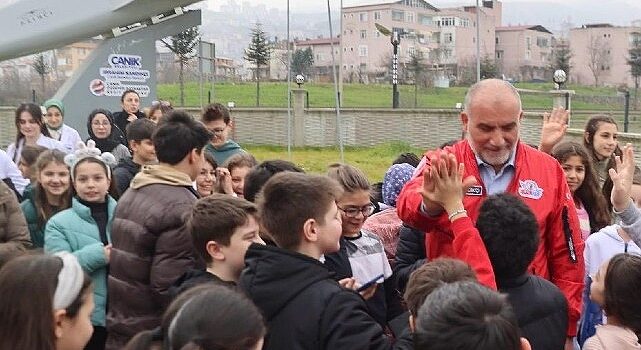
(69,137)
(603,245)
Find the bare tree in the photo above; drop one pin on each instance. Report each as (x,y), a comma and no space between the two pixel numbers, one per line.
(599,58)
(184,45)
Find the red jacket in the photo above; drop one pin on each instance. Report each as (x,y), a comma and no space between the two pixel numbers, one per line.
(540,182)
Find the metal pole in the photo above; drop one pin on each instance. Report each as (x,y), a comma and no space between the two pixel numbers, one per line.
(395,76)
(478,42)
(626,111)
(340,57)
(200,71)
(289,91)
(339,134)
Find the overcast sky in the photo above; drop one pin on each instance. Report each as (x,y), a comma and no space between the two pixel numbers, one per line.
(320,5)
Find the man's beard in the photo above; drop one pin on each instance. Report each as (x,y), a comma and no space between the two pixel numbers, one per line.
(493,160)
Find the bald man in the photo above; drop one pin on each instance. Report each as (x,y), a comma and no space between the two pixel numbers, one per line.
(497,161)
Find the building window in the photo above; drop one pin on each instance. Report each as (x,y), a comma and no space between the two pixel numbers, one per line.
(398,16)
(411,51)
(363,34)
(362,50)
(528,43)
(448,38)
(527,54)
(496,40)
(410,17)
(542,42)
(377,14)
(425,20)
(351,49)
(377,34)
(499,54)
(362,16)
(446,22)
(544,57)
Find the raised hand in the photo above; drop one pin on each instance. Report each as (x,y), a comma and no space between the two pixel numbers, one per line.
(622,178)
(554,127)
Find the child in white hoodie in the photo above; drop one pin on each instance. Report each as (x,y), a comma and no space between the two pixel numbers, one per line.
(623,237)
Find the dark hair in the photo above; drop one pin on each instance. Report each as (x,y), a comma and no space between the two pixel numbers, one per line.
(29,155)
(128,91)
(177,136)
(451,142)
(215,111)
(210,159)
(113,188)
(424,280)
(349,177)
(466,315)
(591,127)
(116,136)
(409,158)
(237,324)
(154,338)
(164,107)
(27,286)
(258,176)
(289,199)
(588,193)
(140,129)
(45,210)
(240,160)
(215,218)
(622,285)
(35,112)
(510,232)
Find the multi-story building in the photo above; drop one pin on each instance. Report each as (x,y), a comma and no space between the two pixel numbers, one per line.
(322,52)
(523,52)
(445,37)
(70,57)
(600,52)
(225,68)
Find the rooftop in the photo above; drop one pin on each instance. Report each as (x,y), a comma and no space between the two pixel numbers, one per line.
(538,28)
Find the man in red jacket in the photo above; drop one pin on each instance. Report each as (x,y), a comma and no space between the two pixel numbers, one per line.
(496,161)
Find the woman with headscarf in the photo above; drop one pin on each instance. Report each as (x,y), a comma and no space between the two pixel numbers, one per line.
(108,138)
(386,224)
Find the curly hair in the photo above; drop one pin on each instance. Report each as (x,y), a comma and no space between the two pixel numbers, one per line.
(510,233)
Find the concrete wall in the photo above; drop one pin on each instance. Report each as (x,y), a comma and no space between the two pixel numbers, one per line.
(360,127)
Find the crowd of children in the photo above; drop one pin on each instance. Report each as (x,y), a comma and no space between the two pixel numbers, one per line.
(159,232)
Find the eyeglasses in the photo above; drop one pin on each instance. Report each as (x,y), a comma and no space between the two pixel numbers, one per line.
(97,123)
(353,212)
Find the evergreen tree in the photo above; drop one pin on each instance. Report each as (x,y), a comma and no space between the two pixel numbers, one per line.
(258,53)
(184,46)
(302,61)
(488,68)
(634,61)
(42,68)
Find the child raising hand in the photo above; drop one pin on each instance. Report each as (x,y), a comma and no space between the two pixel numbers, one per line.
(443,185)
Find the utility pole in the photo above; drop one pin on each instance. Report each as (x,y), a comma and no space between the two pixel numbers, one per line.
(478,41)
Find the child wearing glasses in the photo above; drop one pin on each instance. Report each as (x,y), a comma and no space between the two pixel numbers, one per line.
(217,119)
(361,255)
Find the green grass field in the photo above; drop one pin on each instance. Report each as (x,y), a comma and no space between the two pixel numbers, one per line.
(274,94)
(374,161)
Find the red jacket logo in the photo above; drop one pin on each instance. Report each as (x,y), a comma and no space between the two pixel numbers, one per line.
(530,189)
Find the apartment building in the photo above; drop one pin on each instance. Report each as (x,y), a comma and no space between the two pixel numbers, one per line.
(70,57)
(322,51)
(446,37)
(523,52)
(600,52)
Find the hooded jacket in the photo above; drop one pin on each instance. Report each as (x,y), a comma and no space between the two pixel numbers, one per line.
(74,230)
(222,153)
(151,250)
(599,248)
(14,235)
(305,309)
(612,337)
(124,172)
(540,182)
